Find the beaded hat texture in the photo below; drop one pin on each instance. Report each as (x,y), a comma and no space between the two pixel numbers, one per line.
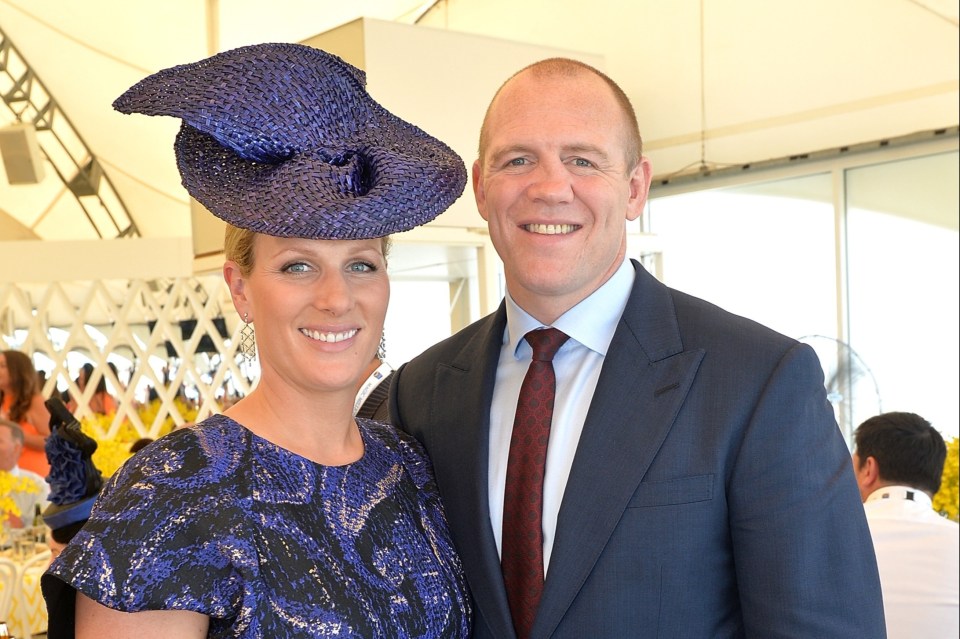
(283,139)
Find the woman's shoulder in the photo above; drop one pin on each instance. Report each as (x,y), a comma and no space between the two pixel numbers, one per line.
(209,452)
(38,411)
(173,524)
(405,446)
(390,436)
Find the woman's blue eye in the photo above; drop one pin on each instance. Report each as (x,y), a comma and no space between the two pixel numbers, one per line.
(362,267)
(296,267)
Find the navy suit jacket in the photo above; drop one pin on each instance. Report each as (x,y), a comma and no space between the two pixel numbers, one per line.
(711,495)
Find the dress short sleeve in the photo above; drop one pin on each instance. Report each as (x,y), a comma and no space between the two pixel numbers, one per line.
(148,542)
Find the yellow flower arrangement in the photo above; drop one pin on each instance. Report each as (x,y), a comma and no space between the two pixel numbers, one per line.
(112,452)
(947,500)
(10,484)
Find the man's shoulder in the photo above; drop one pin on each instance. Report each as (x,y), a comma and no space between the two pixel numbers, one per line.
(695,317)
(901,514)
(29,474)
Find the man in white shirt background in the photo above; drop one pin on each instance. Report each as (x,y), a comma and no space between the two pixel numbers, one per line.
(898,461)
(11,444)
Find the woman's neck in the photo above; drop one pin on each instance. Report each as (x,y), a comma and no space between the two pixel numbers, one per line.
(322,429)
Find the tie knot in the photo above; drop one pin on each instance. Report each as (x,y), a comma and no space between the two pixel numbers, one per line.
(545,343)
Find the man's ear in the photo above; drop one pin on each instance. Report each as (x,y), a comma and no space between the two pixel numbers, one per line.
(478,193)
(640,179)
(868,475)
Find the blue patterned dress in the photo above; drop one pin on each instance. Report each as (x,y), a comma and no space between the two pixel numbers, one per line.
(217,520)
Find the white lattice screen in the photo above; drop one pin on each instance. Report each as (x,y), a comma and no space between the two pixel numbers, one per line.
(187,326)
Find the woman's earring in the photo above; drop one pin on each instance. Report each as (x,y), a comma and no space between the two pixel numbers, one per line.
(382,349)
(248,344)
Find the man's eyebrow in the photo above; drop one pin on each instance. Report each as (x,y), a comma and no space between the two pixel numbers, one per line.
(586,148)
(521,149)
(513,149)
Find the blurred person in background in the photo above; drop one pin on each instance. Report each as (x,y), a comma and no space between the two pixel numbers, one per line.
(21,402)
(11,445)
(898,460)
(101,401)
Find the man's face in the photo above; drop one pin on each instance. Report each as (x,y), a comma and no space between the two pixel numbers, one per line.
(555,188)
(9,449)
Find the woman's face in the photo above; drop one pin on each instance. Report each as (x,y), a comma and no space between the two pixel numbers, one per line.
(318,307)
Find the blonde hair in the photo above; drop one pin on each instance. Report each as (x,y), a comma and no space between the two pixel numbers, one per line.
(238,245)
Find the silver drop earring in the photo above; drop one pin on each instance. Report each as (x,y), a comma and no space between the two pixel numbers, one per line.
(248,344)
(382,349)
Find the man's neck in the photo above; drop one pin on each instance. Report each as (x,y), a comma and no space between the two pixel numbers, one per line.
(894,489)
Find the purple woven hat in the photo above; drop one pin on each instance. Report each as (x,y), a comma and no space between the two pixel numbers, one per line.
(283,139)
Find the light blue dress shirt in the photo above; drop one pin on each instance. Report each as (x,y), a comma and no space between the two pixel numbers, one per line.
(590,325)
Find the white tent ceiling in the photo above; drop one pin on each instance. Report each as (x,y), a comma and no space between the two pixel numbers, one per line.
(714,82)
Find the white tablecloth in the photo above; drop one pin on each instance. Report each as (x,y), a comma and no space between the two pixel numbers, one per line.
(28,612)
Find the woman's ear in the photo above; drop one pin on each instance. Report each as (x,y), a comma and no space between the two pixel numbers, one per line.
(237,284)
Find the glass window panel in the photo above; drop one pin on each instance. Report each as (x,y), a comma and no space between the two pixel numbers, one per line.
(904,263)
(765,251)
(418,317)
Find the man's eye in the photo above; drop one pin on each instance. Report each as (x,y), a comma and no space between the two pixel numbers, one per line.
(518,162)
(582,162)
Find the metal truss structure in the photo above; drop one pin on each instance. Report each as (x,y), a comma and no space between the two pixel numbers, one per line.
(62,146)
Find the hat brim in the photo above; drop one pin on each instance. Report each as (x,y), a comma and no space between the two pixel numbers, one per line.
(59,516)
(283,139)
(364,190)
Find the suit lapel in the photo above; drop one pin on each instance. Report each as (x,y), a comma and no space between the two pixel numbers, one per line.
(644,380)
(467,381)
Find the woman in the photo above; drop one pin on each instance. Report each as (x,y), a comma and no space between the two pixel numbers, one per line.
(285,516)
(101,402)
(21,402)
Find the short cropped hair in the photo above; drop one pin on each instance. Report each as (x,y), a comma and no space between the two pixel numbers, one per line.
(909,451)
(567,67)
(15,429)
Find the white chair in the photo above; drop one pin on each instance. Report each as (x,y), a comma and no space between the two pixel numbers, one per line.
(36,565)
(9,584)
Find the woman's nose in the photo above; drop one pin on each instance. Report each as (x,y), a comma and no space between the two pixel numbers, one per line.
(334,294)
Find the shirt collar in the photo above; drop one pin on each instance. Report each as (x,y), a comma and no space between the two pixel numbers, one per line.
(900,493)
(592,322)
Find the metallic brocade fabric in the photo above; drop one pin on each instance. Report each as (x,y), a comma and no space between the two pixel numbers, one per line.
(217,520)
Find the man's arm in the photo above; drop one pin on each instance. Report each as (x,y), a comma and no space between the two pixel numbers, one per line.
(804,558)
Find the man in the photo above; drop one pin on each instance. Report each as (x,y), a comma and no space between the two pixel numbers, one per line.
(899,463)
(11,445)
(696,483)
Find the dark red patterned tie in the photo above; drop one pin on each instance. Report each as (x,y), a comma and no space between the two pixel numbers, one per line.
(521,557)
